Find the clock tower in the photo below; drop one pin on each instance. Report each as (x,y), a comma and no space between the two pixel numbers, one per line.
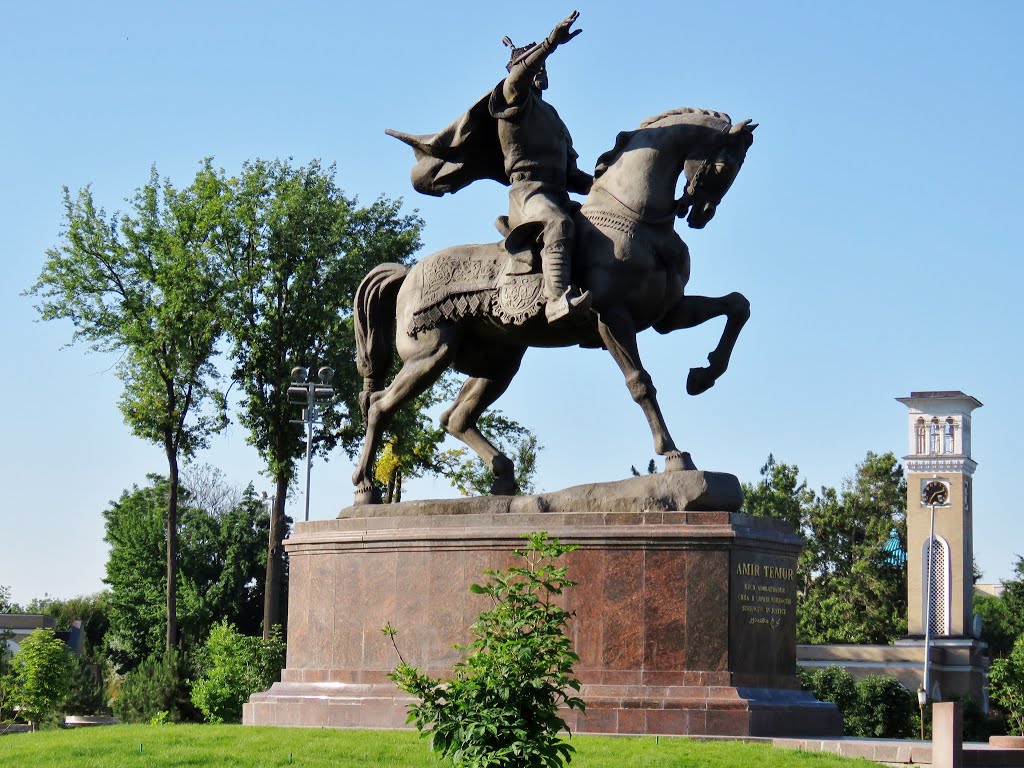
(940,545)
(940,472)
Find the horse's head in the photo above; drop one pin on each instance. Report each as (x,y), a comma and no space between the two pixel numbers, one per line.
(710,173)
(642,169)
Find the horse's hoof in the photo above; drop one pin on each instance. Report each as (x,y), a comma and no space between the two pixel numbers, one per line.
(699,380)
(370,495)
(678,461)
(504,488)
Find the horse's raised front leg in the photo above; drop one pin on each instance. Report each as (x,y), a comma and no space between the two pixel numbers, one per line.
(619,336)
(694,310)
(475,397)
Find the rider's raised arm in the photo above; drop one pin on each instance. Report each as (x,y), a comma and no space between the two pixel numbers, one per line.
(520,80)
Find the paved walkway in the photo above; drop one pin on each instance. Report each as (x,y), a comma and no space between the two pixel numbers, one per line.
(905,751)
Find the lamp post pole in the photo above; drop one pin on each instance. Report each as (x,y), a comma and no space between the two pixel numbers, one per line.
(928,604)
(934,494)
(304,391)
(922,697)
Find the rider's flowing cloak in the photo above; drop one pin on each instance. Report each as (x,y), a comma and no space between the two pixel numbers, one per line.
(463,152)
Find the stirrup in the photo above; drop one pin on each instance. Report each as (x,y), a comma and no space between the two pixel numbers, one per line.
(573,302)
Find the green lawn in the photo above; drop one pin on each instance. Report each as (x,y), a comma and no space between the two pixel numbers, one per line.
(233,745)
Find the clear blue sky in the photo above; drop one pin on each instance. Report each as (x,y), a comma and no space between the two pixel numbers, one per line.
(874,228)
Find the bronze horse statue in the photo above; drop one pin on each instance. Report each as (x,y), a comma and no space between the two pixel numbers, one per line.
(473,308)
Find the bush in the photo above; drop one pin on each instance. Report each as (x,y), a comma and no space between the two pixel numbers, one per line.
(1006,686)
(85,690)
(874,706)
(40,675)
(832,684)
(235,666)
(885,709)
(978,725)
(160,683)
(501,705)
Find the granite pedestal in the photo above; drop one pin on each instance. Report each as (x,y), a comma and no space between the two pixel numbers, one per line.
(684,610)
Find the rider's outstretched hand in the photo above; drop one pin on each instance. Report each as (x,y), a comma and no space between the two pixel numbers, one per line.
(561,33)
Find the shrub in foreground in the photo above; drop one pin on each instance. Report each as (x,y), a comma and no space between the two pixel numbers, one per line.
(875,706)
(501,705)
(234,666)
(885,709)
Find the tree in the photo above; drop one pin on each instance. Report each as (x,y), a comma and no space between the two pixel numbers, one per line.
(850,589)
(414,446)
(470,475)
(1006,686)
(501,707)
(145,286)
(92,611)
(6,606)
(40,675)
(1002,618)
(135,532)
(221,569)
(856,592)
(157,689)
(780,494)
(295,249)
(234,666)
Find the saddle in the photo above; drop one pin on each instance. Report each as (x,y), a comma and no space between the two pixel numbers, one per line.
(499,280)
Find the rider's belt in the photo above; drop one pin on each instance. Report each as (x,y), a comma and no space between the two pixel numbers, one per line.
(540,176)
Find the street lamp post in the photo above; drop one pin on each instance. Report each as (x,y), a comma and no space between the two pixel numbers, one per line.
(310,394)
(934,494)
(922,697)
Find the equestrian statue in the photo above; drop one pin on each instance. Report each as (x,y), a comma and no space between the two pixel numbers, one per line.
(592,275)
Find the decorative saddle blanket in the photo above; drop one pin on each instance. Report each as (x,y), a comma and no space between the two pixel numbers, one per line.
(481,280)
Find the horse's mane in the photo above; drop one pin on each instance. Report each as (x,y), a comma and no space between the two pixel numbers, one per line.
(720,116)
(609,157)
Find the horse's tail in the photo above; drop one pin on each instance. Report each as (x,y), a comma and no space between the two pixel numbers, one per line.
(375,312)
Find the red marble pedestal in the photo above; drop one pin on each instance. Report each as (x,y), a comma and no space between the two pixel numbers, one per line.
(684,620)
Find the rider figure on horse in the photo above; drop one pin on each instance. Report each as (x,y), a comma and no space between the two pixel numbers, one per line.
(514,136)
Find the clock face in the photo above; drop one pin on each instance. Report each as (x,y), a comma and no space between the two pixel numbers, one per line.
(935,492)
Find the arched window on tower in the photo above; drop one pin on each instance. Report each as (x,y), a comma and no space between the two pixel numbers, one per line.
(933,436)
(947,437)
(937,594)
(919,431)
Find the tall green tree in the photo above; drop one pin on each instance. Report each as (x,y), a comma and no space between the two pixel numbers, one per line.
(221,570)
(295,249)
(857,593)
(145,285)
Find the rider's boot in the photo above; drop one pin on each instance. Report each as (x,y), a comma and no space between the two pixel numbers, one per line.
(563,300)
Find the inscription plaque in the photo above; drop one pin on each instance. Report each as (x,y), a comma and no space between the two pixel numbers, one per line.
(762,613)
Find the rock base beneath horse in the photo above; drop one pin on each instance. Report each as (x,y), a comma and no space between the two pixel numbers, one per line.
(684,613)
